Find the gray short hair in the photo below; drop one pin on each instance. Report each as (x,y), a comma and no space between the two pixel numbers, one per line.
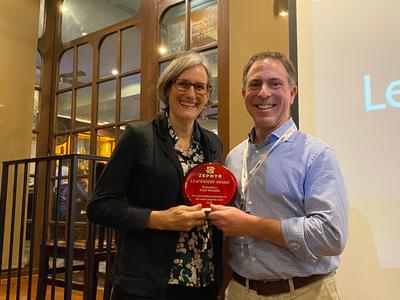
(276,56)
(176,68)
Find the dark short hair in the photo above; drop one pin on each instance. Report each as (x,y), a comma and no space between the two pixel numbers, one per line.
(176,68)
(276,56)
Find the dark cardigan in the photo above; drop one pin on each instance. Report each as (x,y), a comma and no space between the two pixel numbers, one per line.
(144,174)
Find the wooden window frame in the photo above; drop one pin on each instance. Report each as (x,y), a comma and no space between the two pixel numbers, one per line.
(148,17)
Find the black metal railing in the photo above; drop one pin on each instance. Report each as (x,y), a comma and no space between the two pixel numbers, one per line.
(46,241)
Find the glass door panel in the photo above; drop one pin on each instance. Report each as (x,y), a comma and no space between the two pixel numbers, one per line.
(108,58)
(83,111)
(106,107)
(63,116)
(172,31)
(105,141)
(130,98)
(65,74)
(62,144)
(85,63)
(131,49)
(203,23)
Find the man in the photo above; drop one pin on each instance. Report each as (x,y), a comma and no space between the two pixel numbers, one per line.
(289,223)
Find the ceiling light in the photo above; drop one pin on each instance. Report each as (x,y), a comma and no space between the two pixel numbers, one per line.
(281,8)
(283,13)
(63,8)
(162,50)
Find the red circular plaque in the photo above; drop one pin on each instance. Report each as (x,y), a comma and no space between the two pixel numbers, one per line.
(209,183)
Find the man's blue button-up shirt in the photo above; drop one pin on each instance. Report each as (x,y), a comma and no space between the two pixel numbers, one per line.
(299,183)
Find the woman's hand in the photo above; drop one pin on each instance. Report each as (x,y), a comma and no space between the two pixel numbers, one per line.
(178,218)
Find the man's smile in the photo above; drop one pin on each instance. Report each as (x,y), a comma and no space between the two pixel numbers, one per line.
(265,106)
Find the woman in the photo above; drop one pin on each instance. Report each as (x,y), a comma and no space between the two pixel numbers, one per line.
(166,249)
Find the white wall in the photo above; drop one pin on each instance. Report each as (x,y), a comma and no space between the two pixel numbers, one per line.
(339,43)
(18,40)
(253,28)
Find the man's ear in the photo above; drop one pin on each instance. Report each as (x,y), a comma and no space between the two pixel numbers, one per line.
(293,93)
(243,92)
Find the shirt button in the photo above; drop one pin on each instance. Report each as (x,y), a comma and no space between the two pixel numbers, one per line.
(253,259)
(294,245)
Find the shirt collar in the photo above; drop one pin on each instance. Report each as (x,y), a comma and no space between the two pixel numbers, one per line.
(275,135)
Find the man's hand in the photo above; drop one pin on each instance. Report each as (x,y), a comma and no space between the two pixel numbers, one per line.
(178,218)
(231,220)
(235,222)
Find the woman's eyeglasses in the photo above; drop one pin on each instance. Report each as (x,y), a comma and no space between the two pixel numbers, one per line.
(184,85)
